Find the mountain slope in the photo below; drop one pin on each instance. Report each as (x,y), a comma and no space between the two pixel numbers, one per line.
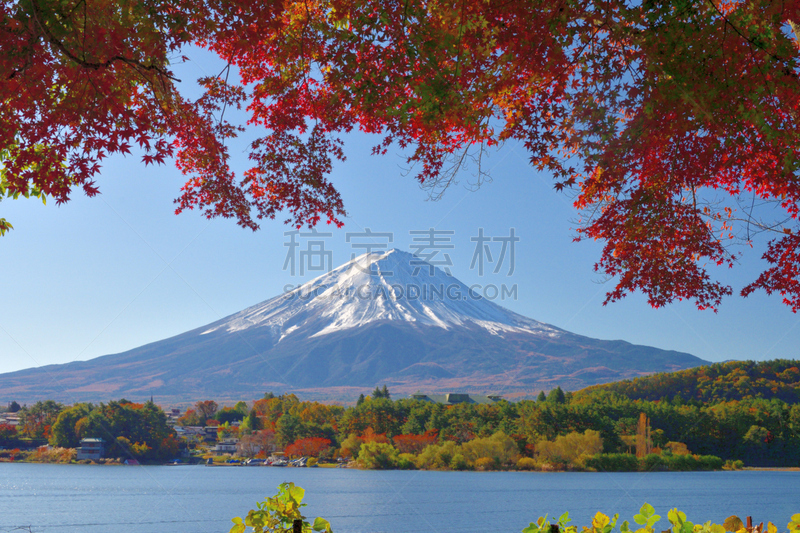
(382,318)
(718,382)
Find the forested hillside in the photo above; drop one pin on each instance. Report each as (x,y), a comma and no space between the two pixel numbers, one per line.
(719,382)
(735,411)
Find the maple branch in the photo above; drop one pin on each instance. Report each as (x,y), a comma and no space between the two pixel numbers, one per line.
(778,226)
(752,206)
(24,67)
(96,65)
(753,43)
(225,105)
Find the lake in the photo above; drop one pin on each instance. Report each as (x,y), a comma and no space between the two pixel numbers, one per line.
(124,499)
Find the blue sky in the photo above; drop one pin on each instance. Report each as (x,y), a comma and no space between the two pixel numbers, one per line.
(107,274)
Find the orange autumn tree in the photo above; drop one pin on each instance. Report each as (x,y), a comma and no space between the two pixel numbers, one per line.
(309,447)
(671,121)
(370,435)
(273,408)
(415,443)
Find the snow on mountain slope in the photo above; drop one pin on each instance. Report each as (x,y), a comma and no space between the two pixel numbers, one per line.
(380,286)
(372,321)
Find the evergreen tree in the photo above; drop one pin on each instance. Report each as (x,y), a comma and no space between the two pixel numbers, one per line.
(556,396)
(385,392)
(377,393)
(542,397)
(252,421)
(360,400)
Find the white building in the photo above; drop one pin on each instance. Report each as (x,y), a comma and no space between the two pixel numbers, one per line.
(225,446)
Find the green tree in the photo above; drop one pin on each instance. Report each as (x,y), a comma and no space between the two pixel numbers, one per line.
(439,456)
(499,447)
(131,429)
(756,436)
(378,456)
(556,396)
(382,415)
(252,421)
(351,445)
(65,431)
(571,447)
(288,429)
(230,415)
(414,424)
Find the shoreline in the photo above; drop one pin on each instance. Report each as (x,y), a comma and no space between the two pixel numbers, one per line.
(353,467)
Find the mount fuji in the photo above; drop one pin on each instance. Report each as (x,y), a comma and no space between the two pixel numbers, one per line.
(384,317)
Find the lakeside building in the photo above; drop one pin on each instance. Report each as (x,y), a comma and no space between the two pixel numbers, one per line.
(12,419)
(452,398)
(225,446)
(190,431)
(172,416)
(92,449)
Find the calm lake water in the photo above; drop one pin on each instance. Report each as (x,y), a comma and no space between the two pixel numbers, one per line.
(95,499)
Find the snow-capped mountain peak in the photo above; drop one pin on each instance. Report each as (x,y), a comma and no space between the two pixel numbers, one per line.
(385,317)
(390,285)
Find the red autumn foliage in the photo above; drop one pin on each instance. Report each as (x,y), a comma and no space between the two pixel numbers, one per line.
(415,443)
(310,447)
(370,436)
(8,434)
(668,136)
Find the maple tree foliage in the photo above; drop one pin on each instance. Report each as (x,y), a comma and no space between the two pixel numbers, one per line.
(415,443)
(309,447)
(667,119)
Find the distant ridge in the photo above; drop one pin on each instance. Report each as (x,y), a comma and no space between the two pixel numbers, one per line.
(380,318)
(716,382)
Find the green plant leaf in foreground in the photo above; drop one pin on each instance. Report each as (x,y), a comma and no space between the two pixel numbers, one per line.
(647,516)
(277,514)
(540,526)
(320,524)
(733,523)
